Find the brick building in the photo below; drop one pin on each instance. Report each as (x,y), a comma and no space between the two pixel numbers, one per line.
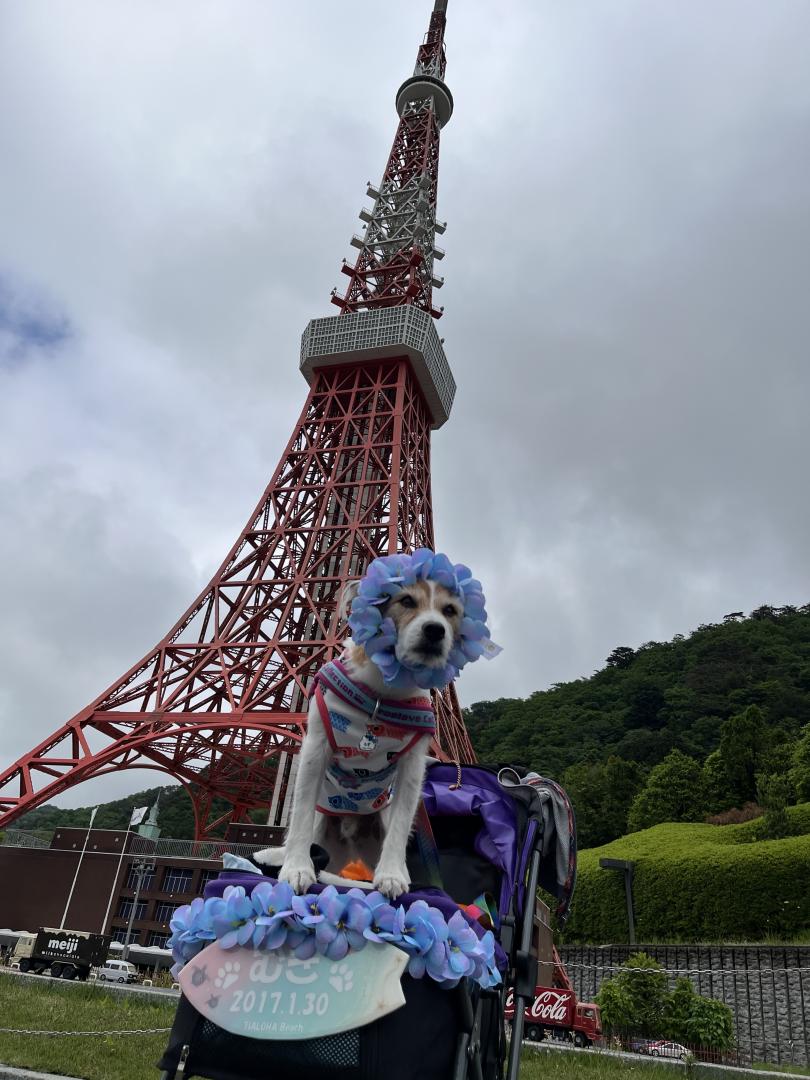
(36,874)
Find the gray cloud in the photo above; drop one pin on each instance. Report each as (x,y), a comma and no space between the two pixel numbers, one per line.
(627,268)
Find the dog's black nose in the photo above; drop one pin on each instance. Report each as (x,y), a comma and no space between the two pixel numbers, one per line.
(433,632)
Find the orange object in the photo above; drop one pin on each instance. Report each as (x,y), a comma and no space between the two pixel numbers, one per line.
(357,871)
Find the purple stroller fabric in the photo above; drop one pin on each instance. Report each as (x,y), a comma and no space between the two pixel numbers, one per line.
(497,841)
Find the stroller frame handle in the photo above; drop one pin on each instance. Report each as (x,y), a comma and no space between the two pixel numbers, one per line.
(525,971)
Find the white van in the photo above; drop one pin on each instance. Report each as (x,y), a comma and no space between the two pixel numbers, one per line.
(117,971)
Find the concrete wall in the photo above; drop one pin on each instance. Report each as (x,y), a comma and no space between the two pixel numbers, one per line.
(767,987)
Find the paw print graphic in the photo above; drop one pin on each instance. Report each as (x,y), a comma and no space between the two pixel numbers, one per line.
(227,974)
(341,977)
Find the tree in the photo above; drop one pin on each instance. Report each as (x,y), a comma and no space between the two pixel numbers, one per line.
(710,1024)
(774,792)
(635,997)
(678,1009)
(673,792)
(701,1021)
(621,657)
(744,744)
(800,766)
(602,793)
(616,1008)
(646,702)
(719,795)
(648,747)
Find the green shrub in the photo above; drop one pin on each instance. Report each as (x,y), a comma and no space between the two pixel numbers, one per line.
(634,999)
(696,882)
(710,1024)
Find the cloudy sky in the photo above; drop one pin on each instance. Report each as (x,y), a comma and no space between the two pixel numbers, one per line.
(627,315)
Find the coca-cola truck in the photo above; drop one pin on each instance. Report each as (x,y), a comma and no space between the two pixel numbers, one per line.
(555,1013)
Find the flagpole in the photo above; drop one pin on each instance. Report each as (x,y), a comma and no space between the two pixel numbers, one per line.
(139,812)
(115,881)
(78,868)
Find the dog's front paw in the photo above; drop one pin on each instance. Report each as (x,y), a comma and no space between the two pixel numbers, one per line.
(391,881)
(299,875)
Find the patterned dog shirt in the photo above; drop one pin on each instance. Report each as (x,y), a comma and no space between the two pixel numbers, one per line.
(368,736)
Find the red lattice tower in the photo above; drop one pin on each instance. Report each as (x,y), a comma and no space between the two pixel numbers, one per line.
(220,703)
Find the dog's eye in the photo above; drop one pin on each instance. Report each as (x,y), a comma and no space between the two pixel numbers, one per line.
(449,610)
(407,601)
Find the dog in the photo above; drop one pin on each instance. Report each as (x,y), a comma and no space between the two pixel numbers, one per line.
(358,721)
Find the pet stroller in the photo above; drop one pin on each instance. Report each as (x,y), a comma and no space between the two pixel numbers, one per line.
(494,835)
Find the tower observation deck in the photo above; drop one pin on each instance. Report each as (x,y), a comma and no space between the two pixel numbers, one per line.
(220,703)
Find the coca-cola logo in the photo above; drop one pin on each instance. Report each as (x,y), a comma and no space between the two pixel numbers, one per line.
(551,1005)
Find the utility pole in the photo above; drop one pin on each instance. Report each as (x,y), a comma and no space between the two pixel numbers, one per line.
(142,866)
(627,868)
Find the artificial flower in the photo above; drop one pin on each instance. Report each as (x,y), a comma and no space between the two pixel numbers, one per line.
(273,906)
(234,922)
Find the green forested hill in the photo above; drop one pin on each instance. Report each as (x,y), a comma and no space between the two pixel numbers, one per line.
(671,731)
(676,715)
(662,695)
(175,813)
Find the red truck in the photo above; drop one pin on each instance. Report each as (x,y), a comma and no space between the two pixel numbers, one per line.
(555,1013)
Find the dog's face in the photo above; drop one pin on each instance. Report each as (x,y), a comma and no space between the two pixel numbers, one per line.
(427,617)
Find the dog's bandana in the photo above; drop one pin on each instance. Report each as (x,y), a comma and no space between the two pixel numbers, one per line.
(368,736)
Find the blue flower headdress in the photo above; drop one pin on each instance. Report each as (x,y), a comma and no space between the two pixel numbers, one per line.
(386,577)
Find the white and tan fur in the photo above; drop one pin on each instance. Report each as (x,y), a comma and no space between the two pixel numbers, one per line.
(427,617)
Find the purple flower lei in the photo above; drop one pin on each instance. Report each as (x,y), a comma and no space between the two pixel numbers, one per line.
(386,577)
(334,923)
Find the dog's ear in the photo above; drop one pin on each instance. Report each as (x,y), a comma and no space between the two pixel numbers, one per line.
(347,595)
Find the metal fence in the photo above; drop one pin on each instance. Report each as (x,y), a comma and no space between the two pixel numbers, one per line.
(207,850)
(21,838)
(767,988)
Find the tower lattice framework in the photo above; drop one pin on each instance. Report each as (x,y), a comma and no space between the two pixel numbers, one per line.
(220,702)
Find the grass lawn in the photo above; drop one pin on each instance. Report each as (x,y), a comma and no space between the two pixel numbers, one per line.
(55,1007)
(47,1005)
(52,1006)
(560,1065)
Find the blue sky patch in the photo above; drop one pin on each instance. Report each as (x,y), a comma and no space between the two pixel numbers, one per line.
(29,321)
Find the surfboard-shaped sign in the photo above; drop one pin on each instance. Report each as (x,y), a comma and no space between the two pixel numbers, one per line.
(274,995)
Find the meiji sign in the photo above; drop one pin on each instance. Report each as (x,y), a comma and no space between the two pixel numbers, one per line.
(65,946)
(553,1006)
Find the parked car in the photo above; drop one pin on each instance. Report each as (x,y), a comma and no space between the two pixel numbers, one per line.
(640,1046)
(668,1049)
(117,971)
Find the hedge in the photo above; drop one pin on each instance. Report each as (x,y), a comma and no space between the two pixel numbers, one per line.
(697,883)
